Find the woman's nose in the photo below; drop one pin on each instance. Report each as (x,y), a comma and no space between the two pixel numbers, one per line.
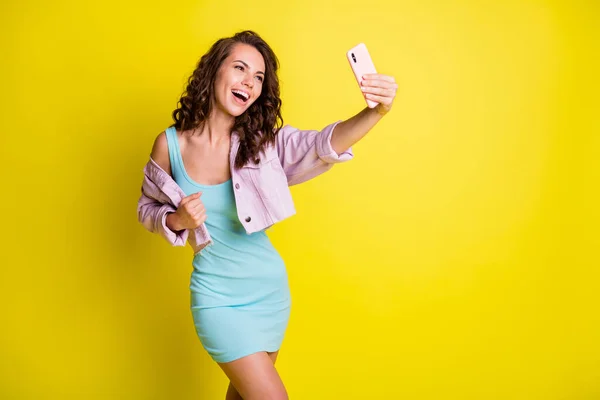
(248,81)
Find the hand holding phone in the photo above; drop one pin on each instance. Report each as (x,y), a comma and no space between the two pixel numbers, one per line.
(361,64)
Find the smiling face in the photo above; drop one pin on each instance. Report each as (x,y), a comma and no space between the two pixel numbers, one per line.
(239,80)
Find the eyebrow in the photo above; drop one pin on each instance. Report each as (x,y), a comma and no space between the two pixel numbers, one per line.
(247,66)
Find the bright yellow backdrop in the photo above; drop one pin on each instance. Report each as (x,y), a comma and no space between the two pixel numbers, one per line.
(456,257)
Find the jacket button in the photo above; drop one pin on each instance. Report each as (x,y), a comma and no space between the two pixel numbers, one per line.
(237,185)
(248,219)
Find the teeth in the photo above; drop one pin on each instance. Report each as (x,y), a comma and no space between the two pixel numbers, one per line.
(241,93)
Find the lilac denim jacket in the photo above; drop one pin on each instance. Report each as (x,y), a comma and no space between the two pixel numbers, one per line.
(262,193)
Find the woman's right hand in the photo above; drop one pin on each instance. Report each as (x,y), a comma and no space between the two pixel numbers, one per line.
(189,215)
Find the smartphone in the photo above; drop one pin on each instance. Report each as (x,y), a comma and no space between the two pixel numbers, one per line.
(361,64)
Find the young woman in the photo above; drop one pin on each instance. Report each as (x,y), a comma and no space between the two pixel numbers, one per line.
(218,177)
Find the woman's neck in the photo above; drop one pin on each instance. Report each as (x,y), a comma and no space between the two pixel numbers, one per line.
(217,127)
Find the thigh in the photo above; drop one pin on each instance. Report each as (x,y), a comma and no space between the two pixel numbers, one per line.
(255,377)
(232,393)
(273,355)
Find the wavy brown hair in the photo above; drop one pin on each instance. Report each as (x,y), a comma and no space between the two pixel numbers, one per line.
(258,125)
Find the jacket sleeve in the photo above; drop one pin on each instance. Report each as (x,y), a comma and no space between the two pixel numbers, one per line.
(152,211)
(305,154)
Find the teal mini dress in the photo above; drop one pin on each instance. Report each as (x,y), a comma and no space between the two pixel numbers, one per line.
(239,293)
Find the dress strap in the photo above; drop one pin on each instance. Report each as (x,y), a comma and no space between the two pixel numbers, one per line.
(174,154)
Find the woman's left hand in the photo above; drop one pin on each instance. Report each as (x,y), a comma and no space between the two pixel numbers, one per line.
(380,89)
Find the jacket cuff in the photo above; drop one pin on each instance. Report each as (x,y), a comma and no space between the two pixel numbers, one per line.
(175,238)
(326,152)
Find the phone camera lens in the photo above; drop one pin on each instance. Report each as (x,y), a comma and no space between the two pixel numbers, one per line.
(353,57)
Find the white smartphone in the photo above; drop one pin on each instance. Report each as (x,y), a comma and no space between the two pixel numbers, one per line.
(361,63)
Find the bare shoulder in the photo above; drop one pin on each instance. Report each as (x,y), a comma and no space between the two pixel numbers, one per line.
(160,152)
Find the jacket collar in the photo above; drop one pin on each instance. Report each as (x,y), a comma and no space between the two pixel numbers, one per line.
(164,182)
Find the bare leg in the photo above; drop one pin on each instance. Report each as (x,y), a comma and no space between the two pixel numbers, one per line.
(232,393)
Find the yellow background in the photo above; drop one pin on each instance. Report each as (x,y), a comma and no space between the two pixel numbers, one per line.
(456,257)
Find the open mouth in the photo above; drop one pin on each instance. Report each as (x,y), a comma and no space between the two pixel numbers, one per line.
(240,96)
